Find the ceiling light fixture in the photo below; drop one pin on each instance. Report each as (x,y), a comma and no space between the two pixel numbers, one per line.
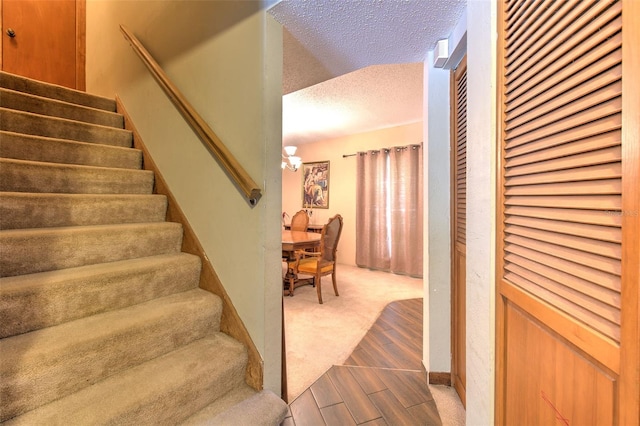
(290,161)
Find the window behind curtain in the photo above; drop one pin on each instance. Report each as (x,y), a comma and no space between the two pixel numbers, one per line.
(389,210)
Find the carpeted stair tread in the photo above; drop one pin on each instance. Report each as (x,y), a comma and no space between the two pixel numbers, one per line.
(99,346)
(165,390)
(27,251)
(37,176)
(61,128)
(243,406)
(21,210)
(51,107)
(19,146)
(53,91)
(34,301)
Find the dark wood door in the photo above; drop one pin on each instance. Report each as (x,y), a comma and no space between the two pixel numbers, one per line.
(568,213)
(44,40)
(459,225)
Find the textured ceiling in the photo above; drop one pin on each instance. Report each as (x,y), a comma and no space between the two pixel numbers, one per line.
(327,41)
(367,99)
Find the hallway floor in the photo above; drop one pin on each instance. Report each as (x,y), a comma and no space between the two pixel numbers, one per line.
(381,380)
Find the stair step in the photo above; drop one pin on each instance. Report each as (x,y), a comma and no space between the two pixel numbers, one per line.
(36,176)
(101,317)
(61,128)
(72,356)
(27,251)
(34,301)
(53,91)
(165,390)
(45,106)
(39,148)
(243,406)
(220,405)
(21,210)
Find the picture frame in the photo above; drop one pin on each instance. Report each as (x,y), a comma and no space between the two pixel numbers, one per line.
(315,185)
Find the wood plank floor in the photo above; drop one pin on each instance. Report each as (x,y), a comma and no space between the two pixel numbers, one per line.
(381,383)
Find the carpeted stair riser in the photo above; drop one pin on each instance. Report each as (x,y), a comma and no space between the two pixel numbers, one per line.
(165,390)
(27,251)
(36,176)
(222,404)
(34,301)
(41,125)
(39,105)
(20,210)
(99,346)
(22,84)
(19,146)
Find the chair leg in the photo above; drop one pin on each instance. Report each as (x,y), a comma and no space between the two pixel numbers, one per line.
(292,283)
(335,284)
(319,287)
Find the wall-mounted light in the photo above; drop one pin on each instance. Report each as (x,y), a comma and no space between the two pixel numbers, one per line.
(290,161)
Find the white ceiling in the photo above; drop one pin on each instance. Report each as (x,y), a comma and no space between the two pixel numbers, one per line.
(352,66)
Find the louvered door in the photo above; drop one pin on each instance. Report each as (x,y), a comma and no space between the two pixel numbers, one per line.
(567,309)
(459,228)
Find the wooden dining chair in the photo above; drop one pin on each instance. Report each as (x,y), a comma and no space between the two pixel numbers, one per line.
(319,264)
(300,221)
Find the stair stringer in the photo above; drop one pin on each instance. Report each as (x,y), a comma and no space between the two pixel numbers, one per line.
(230,323)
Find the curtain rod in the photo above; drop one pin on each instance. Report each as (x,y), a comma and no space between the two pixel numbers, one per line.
(387,149)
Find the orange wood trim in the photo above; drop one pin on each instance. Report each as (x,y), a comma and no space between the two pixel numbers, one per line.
(284,388)
(81,44)
(456,247)
(2,32)
(231,323)
(501,326)
(227,161)
(629,410)
(593,344)
(452,219)
(439,378)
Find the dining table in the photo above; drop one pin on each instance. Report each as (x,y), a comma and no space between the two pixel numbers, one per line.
(312,227)
(292,241)
(298,240)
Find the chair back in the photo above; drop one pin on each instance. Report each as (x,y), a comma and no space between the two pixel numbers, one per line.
(300,221)
(330,237)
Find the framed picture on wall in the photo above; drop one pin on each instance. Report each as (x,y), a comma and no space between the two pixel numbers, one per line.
(315,185)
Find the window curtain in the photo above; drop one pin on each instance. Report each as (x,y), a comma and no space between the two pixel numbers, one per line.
(372,230)
(389,210)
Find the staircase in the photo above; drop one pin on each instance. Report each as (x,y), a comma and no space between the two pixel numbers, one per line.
(101,317)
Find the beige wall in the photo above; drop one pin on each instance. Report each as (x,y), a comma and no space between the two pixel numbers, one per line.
(342,177)
(481,202)
(437,300)
(226,58)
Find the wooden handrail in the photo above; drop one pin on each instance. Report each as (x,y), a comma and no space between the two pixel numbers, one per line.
(227,161)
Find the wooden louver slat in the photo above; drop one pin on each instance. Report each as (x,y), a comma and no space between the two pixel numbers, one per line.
(562,154)
(548,77)
(546,103)
(571,34)
(460,163)
(562,158)
(603,285)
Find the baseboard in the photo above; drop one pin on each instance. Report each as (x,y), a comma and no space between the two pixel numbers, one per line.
(230,323)
(436,378)
(439,378)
